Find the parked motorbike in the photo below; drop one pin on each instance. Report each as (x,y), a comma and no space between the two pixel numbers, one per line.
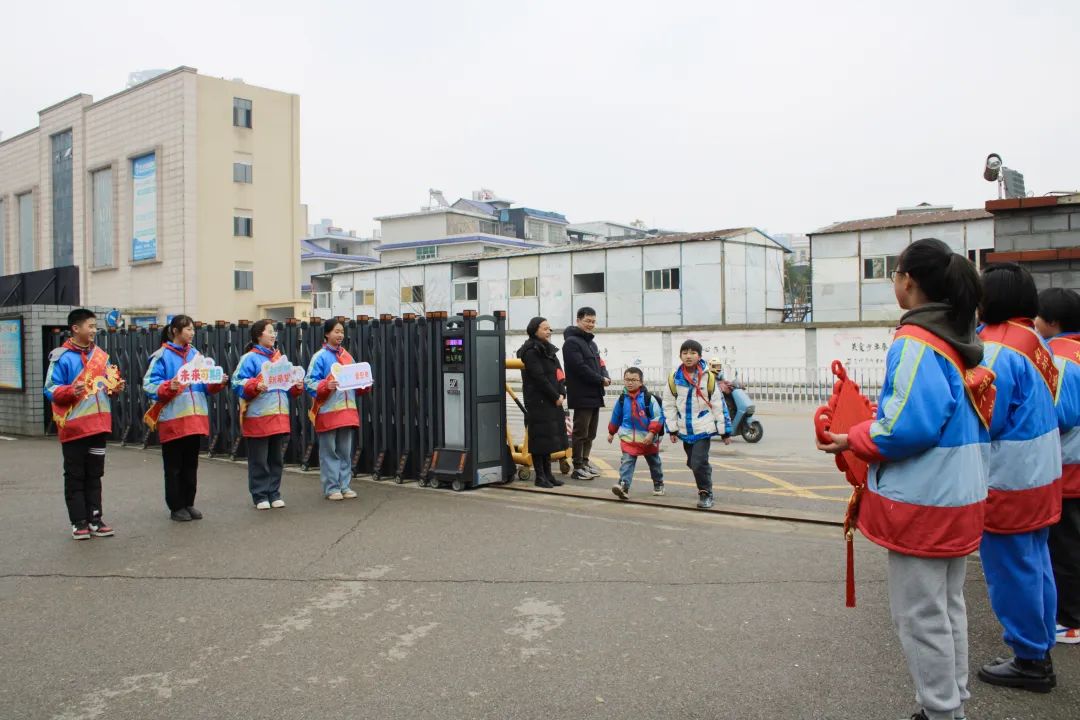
(740,409)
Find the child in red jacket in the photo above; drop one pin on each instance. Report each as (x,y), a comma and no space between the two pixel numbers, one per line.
(638,418)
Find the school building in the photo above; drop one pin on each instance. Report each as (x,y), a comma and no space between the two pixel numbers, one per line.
(180,194)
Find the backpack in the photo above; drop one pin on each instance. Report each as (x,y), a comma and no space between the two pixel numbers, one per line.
(647,398)
(710,383)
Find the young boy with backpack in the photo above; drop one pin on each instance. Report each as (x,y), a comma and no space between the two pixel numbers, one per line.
(638,419)
(694,411)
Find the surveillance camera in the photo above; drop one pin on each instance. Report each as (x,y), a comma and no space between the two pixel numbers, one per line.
(993,167)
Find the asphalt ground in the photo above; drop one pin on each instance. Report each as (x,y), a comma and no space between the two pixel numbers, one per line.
(418,603)
(782,472)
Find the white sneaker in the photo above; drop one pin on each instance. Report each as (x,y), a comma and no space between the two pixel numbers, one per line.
(1068,636)
(279,503)
(592,470)
(348,493)
(335,496)
(264,505)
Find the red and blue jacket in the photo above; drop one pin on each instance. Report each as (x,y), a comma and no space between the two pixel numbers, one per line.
(633,422)
(928,451)
(77,418)
(185,410)
(261,414)
(1025,444)
(1066,349)
(336,408)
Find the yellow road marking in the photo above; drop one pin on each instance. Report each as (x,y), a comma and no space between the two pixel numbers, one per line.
(795,489)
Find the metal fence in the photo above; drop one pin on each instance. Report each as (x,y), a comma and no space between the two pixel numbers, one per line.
(397,432)
(810,386)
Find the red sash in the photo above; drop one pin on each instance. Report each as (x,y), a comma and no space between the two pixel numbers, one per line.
(244,403)
(96,374)
(1067,347)
(978,381)
(1019,335)
(152,415)
(344,358)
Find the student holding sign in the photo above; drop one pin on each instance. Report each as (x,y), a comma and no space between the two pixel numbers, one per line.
(176,385)
(263,384)
(334,411)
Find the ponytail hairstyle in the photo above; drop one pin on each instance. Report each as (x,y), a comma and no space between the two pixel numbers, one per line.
(944,277)
(178,323)
(1008,292)
(534,326)
(329,325)
(256,332)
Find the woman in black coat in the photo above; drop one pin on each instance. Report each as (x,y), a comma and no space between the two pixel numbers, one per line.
(545,398)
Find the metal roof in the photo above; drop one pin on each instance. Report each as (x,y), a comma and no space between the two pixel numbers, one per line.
(458,239)
(311,251)
(905,220)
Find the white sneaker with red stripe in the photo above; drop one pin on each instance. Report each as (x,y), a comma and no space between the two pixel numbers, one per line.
(1068,636)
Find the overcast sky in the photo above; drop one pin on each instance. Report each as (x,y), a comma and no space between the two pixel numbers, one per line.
(684,114)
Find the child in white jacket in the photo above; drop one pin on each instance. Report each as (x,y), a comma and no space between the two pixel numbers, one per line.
(695,411)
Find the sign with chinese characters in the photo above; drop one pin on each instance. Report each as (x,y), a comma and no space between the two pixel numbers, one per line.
(200,370)
(354,376)
(281,375)
(11,354)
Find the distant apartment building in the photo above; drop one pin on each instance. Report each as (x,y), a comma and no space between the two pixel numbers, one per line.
(180,194)
(328,247)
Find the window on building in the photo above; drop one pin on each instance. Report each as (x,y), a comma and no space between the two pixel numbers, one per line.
(522,288)
(589,283)
(241,172)
(3,237)
(978,257)
(879,268)
(364,297)
(26,233)
(667,279)
(243,279)
(427,252)
(556,234)
(321,301)
(489,227)
(242,226)
(412,294)
(465,291)
(63,240)
(534,230)
(466,270)
(241,112)
(102,209)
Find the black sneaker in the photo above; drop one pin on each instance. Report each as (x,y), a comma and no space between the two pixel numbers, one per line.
(919,716)
(195,514)
(543,483)
(620,490)
(555,481)
(1031,675)
(100,528)
(181,515)
(581,474)
(705,501)
(658,490)
(80,531)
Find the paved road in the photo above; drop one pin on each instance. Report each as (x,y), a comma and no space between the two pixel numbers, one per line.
(783,471)
(414,603)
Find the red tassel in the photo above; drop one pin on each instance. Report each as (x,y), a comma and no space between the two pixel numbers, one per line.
(850,571)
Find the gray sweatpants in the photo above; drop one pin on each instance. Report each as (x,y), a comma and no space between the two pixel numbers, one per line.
(926,596)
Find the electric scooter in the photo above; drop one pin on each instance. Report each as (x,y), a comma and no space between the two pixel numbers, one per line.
(741,410)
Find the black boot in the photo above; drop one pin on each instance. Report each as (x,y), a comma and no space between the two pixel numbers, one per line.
(543,475)
(1033,675)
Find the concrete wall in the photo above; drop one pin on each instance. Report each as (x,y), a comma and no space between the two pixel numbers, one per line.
(23,413)
(414,227)
(1046,240)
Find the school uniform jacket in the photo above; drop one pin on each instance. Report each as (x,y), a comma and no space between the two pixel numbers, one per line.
(93,414)
(633,421)
(691,412)
(185,412)
(262,414)
(928,450)
(338,407)
(1066,349)
(1025,443)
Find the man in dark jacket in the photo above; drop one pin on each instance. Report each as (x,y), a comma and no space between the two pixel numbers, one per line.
(586,378)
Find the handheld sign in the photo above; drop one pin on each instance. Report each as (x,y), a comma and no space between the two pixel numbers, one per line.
(355,376)
(281,375)
(200,370)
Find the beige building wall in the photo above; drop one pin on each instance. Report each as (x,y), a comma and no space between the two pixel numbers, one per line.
(426,226)
(187,120)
